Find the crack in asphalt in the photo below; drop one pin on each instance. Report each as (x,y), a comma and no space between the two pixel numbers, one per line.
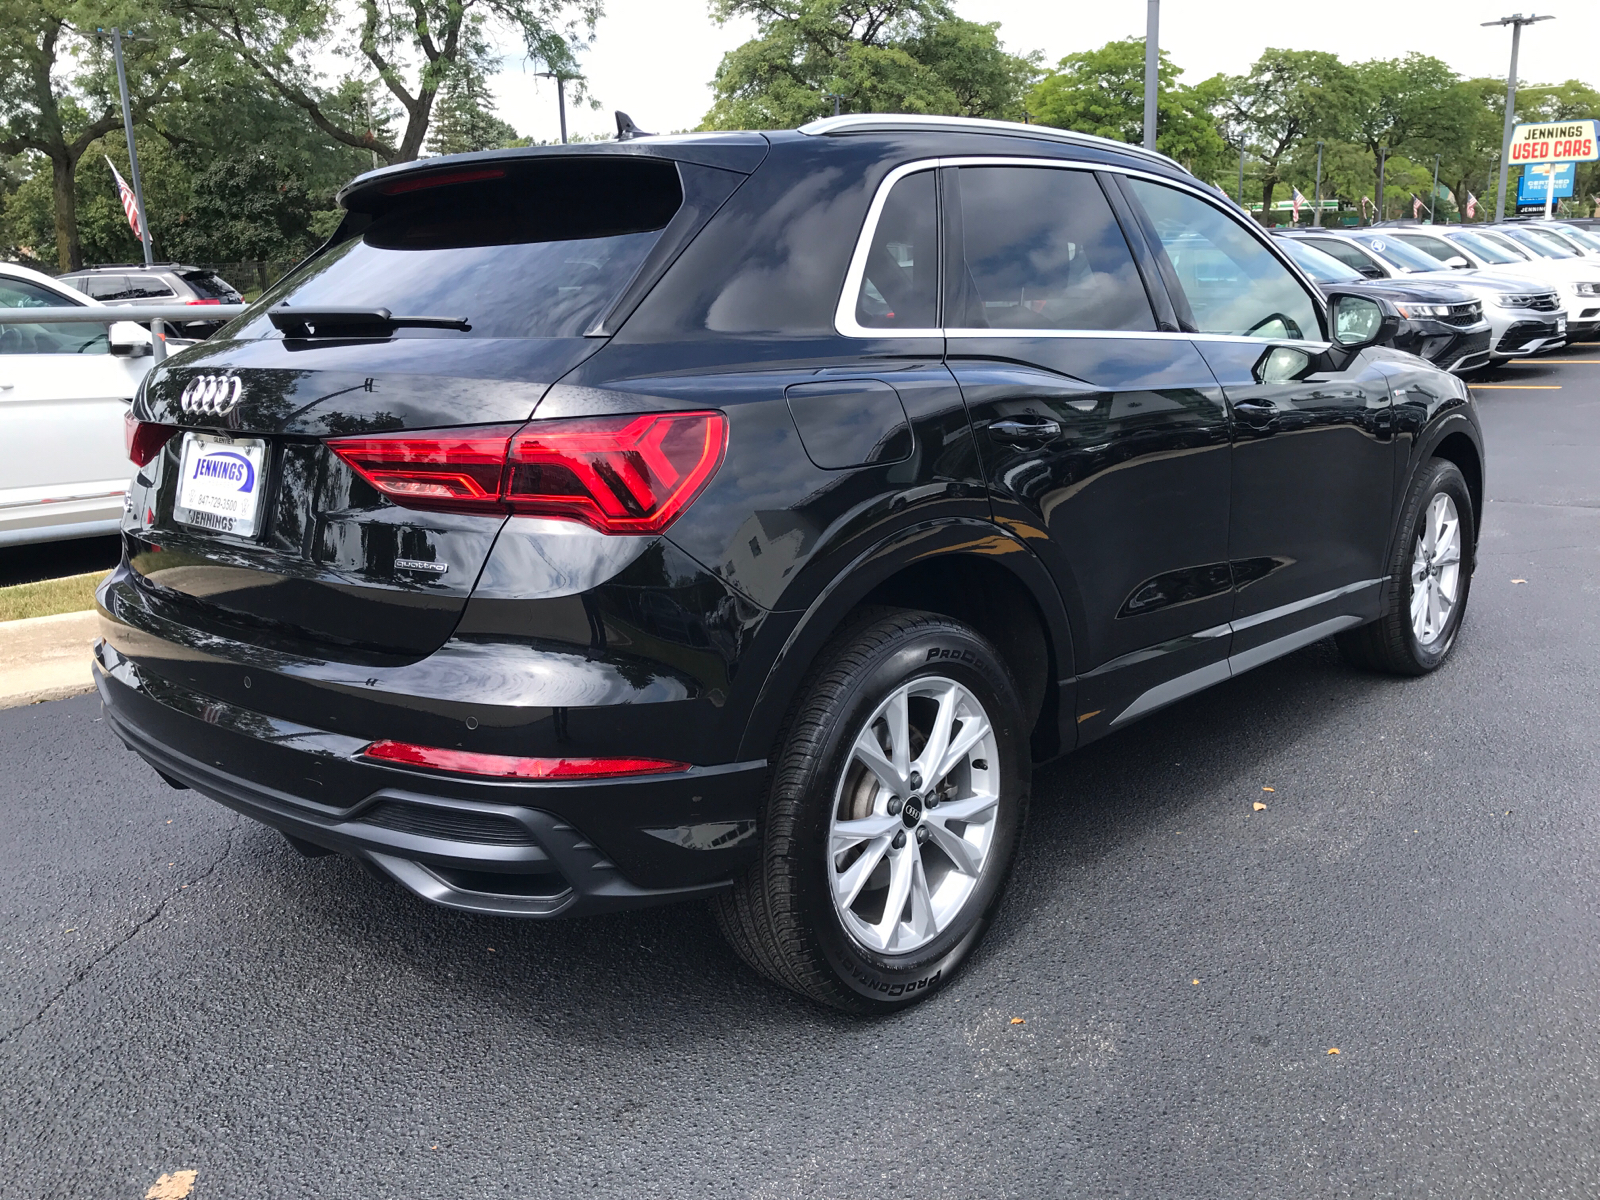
(84,971)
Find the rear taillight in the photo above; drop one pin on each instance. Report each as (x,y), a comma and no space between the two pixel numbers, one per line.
(631,474)
(204,300)
(144,439)
(506,766)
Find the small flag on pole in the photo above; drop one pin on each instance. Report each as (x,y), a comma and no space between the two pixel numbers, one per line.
(130,203)
(1298,201)
(1472,205)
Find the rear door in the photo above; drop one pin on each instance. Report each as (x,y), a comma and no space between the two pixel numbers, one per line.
(1103,434)
(1313,435)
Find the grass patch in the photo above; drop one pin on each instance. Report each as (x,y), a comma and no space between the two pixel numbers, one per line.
(75,593)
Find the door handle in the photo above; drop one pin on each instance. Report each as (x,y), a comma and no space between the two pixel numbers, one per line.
(1255,412)
(1038,429)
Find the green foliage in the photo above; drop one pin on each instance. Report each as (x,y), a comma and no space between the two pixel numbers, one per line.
(908,56)
(1288,97)
(465,121)
(245,208)
(1102,92)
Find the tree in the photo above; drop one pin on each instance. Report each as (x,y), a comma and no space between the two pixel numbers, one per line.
(1102,92)
(465,121)
(911,56)
(1416,106)
(59,118)
(247,208)
(413,49)
(1288,95)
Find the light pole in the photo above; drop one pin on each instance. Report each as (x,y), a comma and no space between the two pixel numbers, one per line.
(1383,158)
(1241,176)
(561,97)
(133,152)
(1516,21)
(1433,196)
(1152,70)
(1316,210)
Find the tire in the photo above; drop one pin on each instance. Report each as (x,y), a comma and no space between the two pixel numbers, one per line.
(791,916)
(1400,642)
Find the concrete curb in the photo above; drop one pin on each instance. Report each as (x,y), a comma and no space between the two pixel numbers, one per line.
(46,658)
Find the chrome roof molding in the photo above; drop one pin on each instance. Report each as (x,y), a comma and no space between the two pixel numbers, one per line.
(902,122)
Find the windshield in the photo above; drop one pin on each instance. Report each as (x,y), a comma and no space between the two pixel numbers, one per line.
(1399,255)
(1322,267)
(1491,250)
(538,250)
(1557,239)
(1543,246)
(1582,236)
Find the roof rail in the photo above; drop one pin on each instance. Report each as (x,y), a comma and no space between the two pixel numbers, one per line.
(900,122)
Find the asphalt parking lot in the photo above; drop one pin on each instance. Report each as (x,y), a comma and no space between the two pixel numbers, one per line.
(180,990)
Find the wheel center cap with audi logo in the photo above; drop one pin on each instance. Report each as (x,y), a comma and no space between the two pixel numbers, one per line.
(211,395)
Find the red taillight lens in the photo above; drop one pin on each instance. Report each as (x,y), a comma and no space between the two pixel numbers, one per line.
(506,766)
(205,300)
(618,474)
(457,470)
(631,474)
(144,439)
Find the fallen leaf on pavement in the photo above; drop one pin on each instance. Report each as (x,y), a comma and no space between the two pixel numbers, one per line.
(1333,1050)
(171,1187)
(1267,789)
(1519,581)
(1018,1021)
(1194,981)
(1258,806)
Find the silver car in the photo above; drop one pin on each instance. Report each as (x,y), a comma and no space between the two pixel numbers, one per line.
(1525,317)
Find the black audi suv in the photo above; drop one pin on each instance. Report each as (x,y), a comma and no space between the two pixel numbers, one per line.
(745,516)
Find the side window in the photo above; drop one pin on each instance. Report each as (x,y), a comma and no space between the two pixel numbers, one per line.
(1233,283)
(1350,256)
(104,287)
(1043,250)
(146,287)
(44,339)
(900,287)
(1432,246)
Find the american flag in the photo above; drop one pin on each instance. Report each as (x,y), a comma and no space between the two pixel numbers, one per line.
(130,203)
(1472,205)
(1298,201)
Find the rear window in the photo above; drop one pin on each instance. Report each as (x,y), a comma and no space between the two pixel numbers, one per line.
(210,286)
(540,250)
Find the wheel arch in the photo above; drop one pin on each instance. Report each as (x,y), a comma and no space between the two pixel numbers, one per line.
(971,570)
(1457,446)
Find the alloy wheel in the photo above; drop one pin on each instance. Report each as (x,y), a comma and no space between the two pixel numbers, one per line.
(913,816)
(1436,570)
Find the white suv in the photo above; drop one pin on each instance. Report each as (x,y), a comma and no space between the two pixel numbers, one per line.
(65,391)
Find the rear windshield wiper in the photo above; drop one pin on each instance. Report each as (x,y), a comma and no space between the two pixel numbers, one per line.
(314,322)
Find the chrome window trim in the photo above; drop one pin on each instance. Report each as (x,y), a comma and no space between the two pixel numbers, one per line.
(844,317)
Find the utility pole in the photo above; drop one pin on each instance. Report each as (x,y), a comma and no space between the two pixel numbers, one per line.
(1152,70)
(1241,176)
(561,97)
(1433,196)
(1316,211)
(1383,158)
(133,153)
(1516,21)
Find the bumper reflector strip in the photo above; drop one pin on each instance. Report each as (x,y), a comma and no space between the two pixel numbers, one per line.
(507,766)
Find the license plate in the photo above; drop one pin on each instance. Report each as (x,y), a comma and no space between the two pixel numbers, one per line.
(219,487)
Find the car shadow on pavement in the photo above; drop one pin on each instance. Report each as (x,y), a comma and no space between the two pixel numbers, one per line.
(659,977)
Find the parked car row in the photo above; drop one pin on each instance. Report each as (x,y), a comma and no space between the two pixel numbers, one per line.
(1537,286)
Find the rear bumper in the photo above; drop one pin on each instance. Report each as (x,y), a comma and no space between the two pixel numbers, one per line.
(509,848)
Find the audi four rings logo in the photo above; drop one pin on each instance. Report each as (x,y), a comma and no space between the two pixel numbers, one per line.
(211,395)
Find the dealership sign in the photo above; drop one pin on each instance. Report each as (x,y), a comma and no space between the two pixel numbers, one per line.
(1537,180)
(1556,141)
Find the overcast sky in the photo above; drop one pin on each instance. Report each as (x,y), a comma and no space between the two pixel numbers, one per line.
(654,58)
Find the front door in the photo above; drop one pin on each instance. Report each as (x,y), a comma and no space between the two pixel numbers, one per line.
(1104,437)
(1313,439)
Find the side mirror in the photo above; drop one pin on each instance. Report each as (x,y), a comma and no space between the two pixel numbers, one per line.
(1458,263)
(128,339)
(1360,320)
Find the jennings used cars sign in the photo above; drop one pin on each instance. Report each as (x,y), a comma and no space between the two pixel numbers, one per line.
(1556,141)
